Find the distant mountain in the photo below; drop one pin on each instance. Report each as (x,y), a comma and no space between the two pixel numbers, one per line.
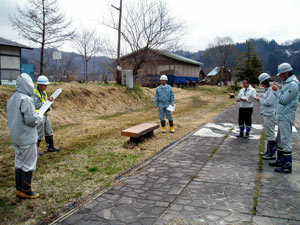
(269,52)
(71,60)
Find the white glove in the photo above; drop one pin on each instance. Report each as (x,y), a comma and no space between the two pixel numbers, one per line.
(40,117)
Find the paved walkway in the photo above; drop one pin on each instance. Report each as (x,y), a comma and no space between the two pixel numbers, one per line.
(209,177)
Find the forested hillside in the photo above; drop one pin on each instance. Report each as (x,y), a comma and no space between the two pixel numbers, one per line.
(269,52)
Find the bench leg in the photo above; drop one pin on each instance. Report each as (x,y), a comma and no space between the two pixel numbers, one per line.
(135,140)
(149,134)
(140,139)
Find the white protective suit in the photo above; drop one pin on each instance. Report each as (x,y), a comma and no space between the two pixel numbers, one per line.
(22,121)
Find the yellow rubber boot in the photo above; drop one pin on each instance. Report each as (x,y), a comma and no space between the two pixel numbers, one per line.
(163,129)
(25,189)
(29,194)
(172,129)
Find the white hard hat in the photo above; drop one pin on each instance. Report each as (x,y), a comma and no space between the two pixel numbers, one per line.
(283,68)
(263,77)
(43,80)
(163,77)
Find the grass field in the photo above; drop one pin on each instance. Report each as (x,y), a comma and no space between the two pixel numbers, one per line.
(87,121)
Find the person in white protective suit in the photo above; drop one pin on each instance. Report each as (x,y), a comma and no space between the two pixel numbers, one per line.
(45,128)
(267,109)
(22,121)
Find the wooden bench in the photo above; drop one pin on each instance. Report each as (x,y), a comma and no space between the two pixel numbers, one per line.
(142,130)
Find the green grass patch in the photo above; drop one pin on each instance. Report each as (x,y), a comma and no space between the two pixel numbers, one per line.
(210,89)
(110,116)
(257,179)
(107,184)
(213,152)
(93,169)
(5,143)
(136,92)
(7,205)
(109,84)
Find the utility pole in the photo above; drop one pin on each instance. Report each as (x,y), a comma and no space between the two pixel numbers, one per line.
(119,43)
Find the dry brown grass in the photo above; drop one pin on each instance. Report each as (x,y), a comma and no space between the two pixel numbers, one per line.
(87,120)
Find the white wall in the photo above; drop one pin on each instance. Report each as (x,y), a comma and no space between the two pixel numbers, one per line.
(10,62)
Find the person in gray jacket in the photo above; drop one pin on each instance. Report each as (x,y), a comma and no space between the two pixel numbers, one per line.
(22,121)
(45,128)
(285,112)
(267,109)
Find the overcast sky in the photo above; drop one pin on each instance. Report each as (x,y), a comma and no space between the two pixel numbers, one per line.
(204,19)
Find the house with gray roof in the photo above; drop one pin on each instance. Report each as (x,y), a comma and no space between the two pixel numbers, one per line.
(179,69)
(10,60)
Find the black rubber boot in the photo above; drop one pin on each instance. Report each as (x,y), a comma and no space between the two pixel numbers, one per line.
(242,128)
(50,142)
(163,123)
(38,145)
(279,160)
(26,191)
(267,150)
(272,150)
(18,174)
(248,129)
(287,164)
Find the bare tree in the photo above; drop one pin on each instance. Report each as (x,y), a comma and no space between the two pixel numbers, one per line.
(146,25)
(110,64)
(63,68)
(223,53)
(88,45)
(41,22)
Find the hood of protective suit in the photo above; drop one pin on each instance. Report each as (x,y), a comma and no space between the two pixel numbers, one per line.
(25,84)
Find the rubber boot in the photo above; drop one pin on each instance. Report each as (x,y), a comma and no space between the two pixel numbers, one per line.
(172,128)
(50,142)
(248,129)
(266,152)
(279,160)
(38,145)
(242,128)
(272,150)
(287,164)
(18,174)
(26,191)
(163,126)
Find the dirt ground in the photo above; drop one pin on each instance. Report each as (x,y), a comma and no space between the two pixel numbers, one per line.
(87,121)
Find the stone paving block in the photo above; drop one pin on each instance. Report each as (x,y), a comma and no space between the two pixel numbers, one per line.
(188,185)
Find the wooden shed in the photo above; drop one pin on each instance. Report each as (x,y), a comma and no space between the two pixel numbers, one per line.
(10,60)
(179,69)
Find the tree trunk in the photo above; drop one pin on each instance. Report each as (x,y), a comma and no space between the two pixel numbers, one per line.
(43,40)
(86,71)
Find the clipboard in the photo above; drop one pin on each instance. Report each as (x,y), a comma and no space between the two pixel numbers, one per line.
(48,103)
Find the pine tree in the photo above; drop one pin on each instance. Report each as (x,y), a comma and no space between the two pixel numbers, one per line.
(251,67)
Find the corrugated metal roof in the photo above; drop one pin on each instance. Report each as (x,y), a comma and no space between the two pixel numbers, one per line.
(170,55)
(214,72)
(180,58)
(7,42)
